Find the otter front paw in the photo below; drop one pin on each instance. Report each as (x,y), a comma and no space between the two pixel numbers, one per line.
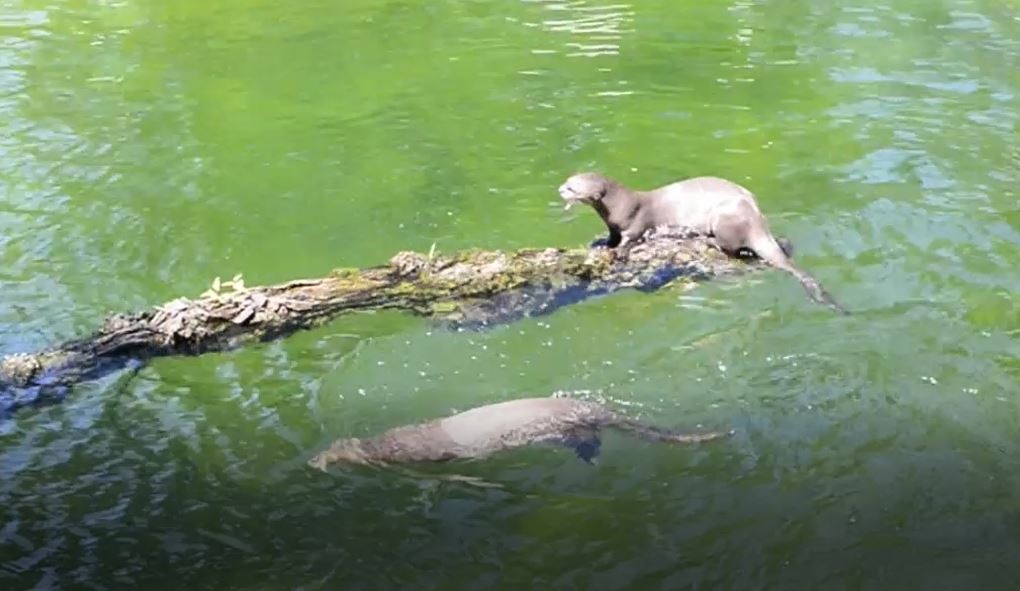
(622,250)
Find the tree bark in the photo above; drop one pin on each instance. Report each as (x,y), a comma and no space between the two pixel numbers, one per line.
(470,289)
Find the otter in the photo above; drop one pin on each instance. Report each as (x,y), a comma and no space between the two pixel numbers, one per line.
(484,430)
(717,208)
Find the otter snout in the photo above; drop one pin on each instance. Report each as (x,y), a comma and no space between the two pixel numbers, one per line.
(568,195)
(319,462)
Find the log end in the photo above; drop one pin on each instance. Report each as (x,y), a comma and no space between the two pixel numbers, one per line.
(19,369)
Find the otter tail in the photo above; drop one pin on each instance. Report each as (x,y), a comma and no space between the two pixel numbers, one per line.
(652,433)
(770,251)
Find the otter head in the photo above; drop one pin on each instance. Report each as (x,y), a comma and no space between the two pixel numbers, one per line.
(585,187)
(347,451)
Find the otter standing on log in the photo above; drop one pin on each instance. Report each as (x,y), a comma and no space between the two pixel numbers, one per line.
(481,431)
(707,205)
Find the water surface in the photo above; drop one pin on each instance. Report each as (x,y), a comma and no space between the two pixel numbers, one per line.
(147,147)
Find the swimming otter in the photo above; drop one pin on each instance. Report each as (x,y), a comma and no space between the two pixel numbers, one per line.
(484,430)
(714,207)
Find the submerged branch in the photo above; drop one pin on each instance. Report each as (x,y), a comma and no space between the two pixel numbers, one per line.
(470,289)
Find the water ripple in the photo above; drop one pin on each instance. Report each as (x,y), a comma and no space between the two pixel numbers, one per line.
(145,149)
(601,26)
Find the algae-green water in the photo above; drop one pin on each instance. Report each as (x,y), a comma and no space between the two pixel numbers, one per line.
(147,147)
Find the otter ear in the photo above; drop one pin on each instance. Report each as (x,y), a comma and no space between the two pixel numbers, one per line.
(602,193)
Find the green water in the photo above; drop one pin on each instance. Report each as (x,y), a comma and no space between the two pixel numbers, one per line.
(146,147)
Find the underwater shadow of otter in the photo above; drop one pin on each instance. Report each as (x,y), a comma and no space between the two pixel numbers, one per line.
(541,300)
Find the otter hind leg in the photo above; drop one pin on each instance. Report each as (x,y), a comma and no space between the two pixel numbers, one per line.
(585,442)
(730,234)
(588,450)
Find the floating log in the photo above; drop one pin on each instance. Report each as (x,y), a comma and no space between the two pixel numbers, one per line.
(470,290)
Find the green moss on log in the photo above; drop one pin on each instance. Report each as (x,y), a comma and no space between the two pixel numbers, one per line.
(474,288)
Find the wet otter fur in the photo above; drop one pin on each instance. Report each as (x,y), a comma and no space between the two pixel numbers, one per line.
(711,206)
(482,431)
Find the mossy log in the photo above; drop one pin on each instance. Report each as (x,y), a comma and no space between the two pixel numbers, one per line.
(470,289)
